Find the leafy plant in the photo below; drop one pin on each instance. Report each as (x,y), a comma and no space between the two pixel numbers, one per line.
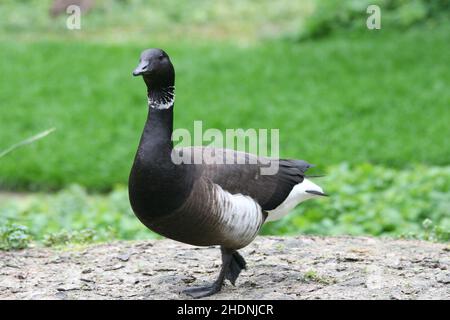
(312,275)
(65,237)
(14,236)
(430,232)
(368,199)
(364,199)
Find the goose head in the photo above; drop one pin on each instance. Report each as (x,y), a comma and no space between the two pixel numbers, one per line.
(156,68)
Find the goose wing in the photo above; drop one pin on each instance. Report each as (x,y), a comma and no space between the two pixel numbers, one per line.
(241,173)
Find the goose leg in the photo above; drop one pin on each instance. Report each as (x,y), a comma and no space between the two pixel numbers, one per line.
(232,264)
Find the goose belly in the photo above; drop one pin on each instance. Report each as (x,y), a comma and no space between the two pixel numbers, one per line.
(212,216)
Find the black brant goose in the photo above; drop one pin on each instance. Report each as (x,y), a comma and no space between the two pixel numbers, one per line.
(209,203)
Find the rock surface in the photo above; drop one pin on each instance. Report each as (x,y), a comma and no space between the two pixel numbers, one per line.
(278,268)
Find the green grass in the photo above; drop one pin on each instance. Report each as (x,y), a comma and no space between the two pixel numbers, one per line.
(365,200)
(380,97)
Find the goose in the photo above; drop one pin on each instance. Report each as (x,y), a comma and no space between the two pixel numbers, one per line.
(206,204)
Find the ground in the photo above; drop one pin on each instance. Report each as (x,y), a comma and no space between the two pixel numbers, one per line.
(278,268)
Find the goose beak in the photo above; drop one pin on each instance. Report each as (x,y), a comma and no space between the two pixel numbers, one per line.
(140,69)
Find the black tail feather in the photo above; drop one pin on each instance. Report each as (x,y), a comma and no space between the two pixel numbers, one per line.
(315,176)
(317,193)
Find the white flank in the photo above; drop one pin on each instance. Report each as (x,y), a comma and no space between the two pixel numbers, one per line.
(298,194)
(241,217)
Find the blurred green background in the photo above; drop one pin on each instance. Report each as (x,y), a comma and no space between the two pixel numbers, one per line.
(370,107)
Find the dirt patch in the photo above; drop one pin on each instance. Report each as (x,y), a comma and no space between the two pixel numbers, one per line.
(278,268)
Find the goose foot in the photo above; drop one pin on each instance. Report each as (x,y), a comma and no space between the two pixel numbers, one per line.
(203,291)
(232,264)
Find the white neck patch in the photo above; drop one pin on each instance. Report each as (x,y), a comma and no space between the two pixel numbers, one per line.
(165,101)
